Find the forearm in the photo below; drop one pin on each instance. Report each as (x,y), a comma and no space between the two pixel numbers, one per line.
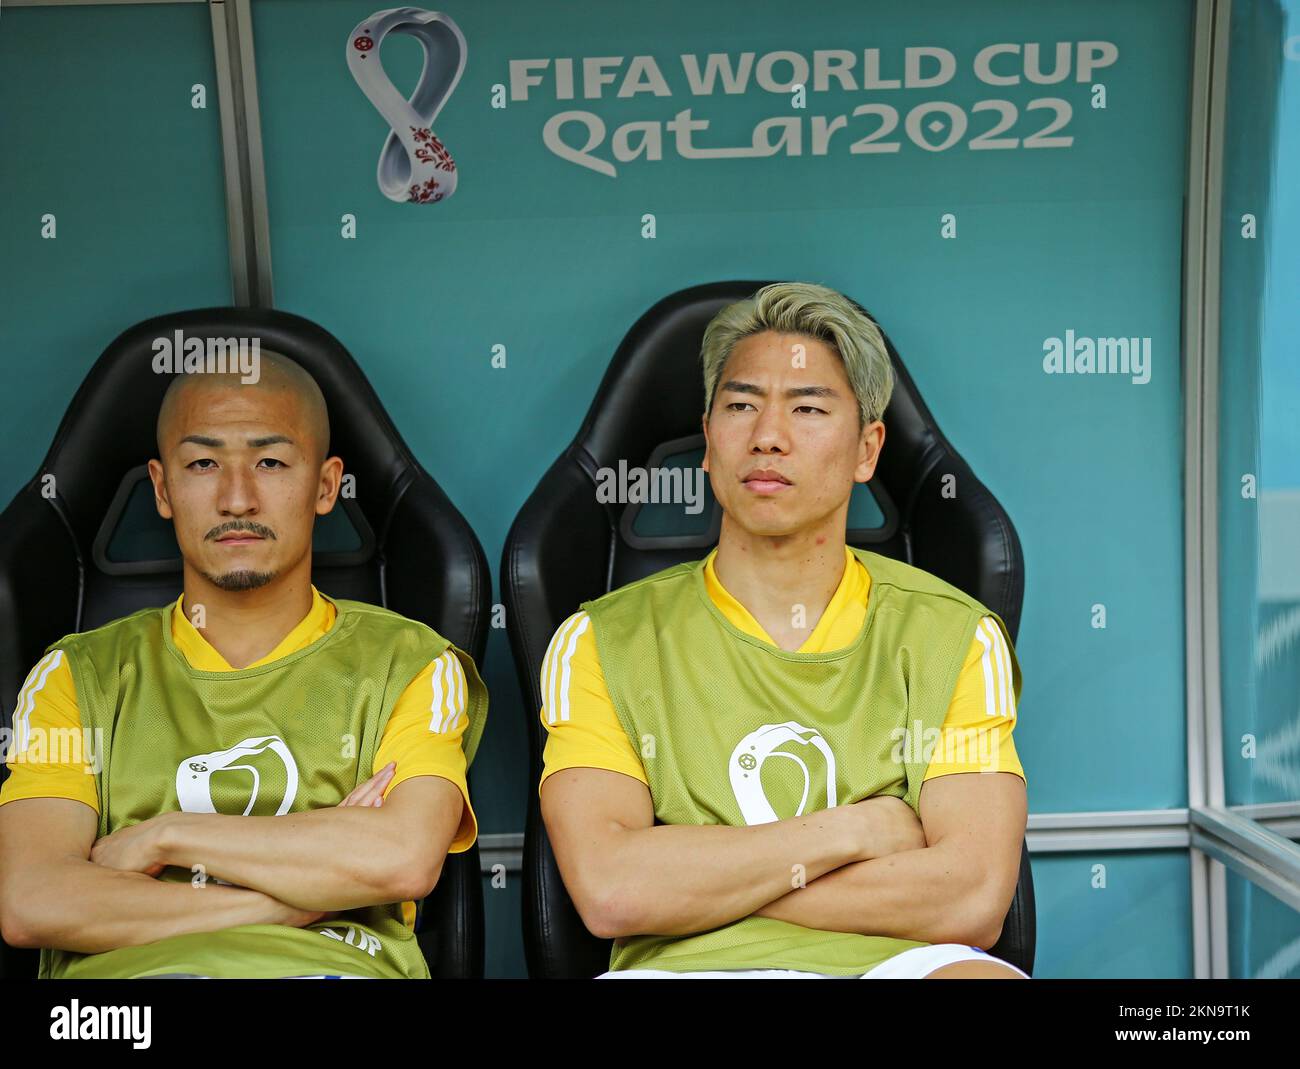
(326,859)
(80,906)
(915,894)
(679,879)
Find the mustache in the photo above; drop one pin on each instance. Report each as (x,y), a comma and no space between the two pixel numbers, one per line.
(240,527)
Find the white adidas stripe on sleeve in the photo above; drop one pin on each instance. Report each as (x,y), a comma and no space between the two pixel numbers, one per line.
(556,667)
(449,698)
(999,688)
(32,686)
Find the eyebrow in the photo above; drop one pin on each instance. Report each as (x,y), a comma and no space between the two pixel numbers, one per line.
(220,443)
(735,386)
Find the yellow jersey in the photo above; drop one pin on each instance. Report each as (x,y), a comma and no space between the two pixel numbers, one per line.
(423,734)
(583,729)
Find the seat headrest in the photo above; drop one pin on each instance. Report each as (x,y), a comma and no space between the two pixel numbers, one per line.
(135,540)
(109,427)
(650,401)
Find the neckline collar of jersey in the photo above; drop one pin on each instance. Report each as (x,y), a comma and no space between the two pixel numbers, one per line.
(842,593)
(848,586)
(201,656)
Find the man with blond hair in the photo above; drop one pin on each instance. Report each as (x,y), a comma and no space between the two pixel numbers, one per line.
(278,775)
(793,757)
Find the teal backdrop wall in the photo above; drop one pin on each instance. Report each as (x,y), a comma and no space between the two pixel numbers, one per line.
(971,260)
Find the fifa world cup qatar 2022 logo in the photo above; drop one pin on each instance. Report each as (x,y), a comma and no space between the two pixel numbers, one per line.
(414,165)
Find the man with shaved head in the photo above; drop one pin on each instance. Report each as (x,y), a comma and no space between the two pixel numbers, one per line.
(279,775)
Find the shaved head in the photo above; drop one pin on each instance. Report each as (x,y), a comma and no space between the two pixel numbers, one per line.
(278,376)
(244,473)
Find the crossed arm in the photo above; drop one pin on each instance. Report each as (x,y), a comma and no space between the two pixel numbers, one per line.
(870,867)
(59,887)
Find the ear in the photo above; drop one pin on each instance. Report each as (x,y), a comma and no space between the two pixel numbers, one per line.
(870,443)
(704,422)
(331,480)
(158,478)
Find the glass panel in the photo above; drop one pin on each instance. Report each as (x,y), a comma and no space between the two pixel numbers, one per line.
(1259,434)
(1134,905)
(1263,933)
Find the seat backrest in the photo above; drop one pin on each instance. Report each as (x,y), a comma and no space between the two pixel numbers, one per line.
(82,544)
(567,545)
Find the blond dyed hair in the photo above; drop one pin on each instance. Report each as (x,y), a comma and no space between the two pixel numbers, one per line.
(816,312)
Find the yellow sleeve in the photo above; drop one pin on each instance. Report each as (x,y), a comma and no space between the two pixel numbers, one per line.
(582,726)
(976,735)
(424,732)
(49,755)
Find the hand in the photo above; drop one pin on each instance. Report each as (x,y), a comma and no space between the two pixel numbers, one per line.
(371,793)
(137,848)
(300,918)
(283,913)
(889,826)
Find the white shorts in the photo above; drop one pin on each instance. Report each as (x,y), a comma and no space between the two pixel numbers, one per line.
(914,964)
